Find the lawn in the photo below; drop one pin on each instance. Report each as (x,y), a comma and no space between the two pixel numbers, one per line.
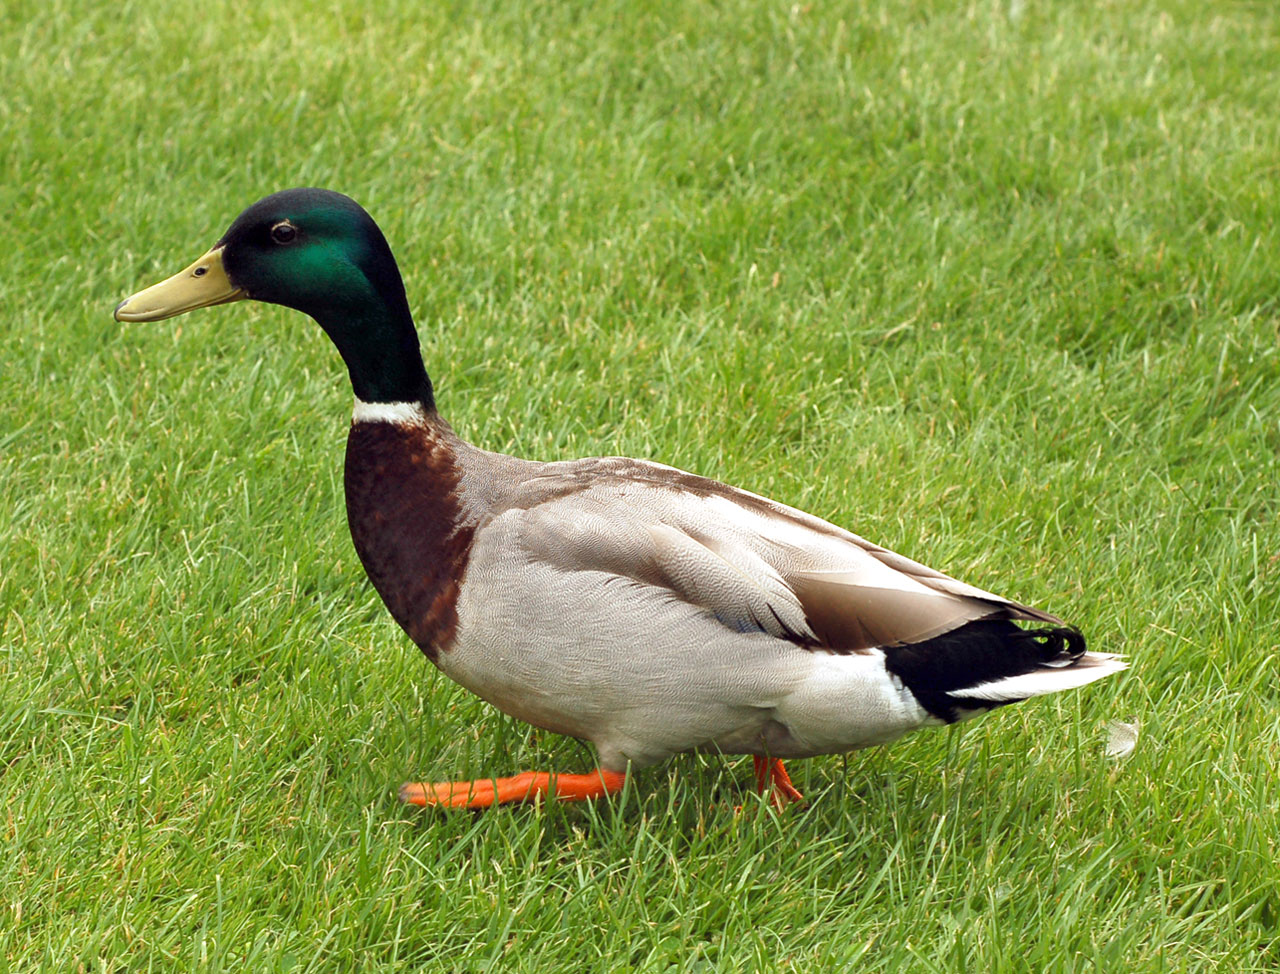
(992,283)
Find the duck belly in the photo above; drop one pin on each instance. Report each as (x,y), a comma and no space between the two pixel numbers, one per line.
(643,676)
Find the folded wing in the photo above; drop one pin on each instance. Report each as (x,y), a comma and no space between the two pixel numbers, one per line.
(752,563)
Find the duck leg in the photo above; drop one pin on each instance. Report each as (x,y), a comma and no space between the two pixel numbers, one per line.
(772,774)
(525,787)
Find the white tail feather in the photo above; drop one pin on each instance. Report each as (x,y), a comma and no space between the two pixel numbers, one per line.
(1090,667)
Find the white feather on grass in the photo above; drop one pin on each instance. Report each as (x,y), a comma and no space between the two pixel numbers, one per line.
(1122,738)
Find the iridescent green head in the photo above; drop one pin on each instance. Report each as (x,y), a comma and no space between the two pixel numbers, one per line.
(321,253)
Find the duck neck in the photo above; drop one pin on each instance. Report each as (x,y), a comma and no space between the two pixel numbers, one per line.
(381,351)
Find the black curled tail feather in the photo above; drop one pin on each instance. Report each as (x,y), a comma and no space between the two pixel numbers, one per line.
(978,652)
(1067,641)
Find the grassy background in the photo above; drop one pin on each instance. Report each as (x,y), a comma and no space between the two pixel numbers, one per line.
(992,283)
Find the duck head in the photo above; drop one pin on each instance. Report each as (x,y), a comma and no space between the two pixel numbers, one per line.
(318,252)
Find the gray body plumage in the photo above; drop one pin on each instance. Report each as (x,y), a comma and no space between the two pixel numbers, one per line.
(651,612)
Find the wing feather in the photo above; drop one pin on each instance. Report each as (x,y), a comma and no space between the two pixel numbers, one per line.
(753,563)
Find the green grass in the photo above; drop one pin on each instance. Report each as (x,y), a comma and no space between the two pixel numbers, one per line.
(991,283)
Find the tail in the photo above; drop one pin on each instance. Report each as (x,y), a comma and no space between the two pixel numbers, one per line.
(992,662)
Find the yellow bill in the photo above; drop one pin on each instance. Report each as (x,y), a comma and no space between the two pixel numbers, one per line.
(202,284)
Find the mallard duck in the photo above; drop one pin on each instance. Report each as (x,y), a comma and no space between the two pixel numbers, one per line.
(646,610)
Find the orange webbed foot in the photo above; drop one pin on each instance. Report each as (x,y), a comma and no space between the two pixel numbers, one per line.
(772,774)
(525,787)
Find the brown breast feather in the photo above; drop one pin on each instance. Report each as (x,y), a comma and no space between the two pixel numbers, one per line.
(406,520)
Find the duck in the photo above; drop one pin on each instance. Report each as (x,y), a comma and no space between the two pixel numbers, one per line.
(637,607)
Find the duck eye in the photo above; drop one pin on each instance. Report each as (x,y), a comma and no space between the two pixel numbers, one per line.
(284,232)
